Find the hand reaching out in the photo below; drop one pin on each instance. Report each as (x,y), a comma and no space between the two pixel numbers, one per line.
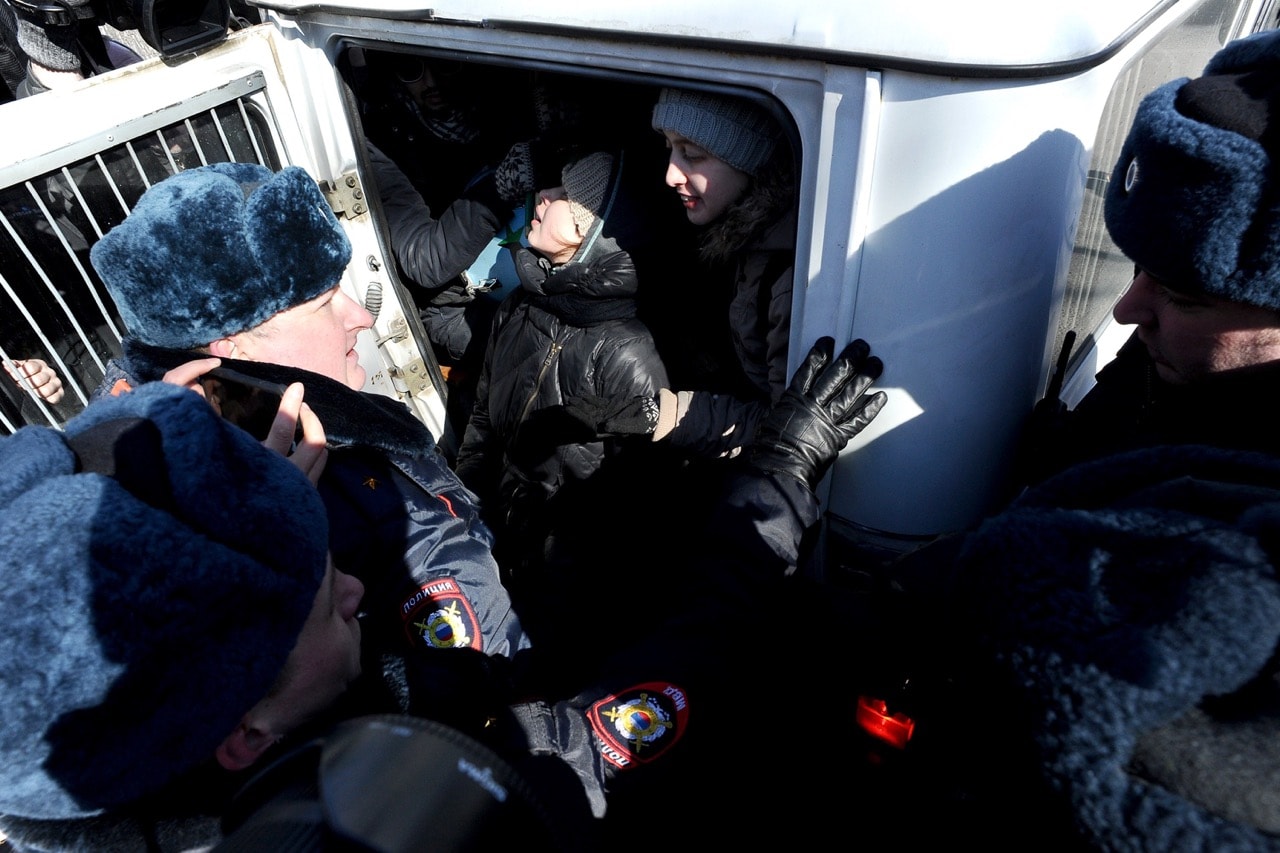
(35,374)
(188,374)
(828,402)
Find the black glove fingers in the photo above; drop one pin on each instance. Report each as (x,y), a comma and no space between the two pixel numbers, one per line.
(873,367)
(851,395)
(826,405)
(819,355)
(852,363)
(855,351)
(865,413)
(832,381)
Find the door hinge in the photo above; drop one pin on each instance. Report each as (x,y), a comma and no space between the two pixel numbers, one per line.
(414,375)
(346,197)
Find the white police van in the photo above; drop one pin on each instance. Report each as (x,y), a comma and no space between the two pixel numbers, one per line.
(951,160)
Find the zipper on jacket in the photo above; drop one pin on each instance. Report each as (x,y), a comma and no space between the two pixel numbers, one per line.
(552,354)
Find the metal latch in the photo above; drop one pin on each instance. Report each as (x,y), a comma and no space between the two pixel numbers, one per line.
(346,198)
(397,330)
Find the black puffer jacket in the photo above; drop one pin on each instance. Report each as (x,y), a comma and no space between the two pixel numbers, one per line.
(432,252)
(716,424)
(569,330)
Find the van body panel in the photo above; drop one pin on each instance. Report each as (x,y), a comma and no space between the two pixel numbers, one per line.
(951,160)
(937,267)
(994,35)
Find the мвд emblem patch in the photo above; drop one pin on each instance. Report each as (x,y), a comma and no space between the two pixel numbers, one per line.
(638,725)
(440,616)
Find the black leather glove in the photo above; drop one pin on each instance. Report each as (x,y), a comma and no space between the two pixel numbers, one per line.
(826,405)
(612,418)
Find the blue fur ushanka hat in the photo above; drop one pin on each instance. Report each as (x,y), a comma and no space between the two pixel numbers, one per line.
(148,602)
(1131,606)
(1195,197)
(216,250)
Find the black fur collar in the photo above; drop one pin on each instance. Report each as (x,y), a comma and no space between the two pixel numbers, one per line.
(354,418)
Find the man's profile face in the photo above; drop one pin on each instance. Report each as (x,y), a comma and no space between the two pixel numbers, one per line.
(1190,337)
(326,658)
(425,91)
(317,335)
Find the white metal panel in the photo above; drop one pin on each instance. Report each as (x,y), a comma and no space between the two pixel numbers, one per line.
(974,203)
(996,33)
(308,127)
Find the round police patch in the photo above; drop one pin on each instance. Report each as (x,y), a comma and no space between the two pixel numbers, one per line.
(439,616)
(638,725)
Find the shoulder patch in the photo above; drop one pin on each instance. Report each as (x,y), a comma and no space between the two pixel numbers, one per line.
(438,615)
(638,725)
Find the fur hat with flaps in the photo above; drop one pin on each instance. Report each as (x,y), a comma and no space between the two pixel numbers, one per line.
(219,249)
(158,566)
(1195,196)
(1121,601)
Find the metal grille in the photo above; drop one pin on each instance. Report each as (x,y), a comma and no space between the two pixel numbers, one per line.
(52,304)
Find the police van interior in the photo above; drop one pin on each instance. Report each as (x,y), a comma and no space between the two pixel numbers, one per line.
(950,161)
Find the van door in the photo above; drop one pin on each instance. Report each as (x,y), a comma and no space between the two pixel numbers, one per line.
(89,152)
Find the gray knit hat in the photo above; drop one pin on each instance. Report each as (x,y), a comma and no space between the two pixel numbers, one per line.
(219,249)
(734,130)
(586,183)
(158,565)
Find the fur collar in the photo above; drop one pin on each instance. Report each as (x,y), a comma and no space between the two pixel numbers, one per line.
(350,418)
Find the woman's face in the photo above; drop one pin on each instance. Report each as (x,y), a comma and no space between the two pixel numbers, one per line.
(552,230)
(707,185)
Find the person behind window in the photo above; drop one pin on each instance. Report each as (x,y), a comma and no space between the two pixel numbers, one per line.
(570,329)
(731,170)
